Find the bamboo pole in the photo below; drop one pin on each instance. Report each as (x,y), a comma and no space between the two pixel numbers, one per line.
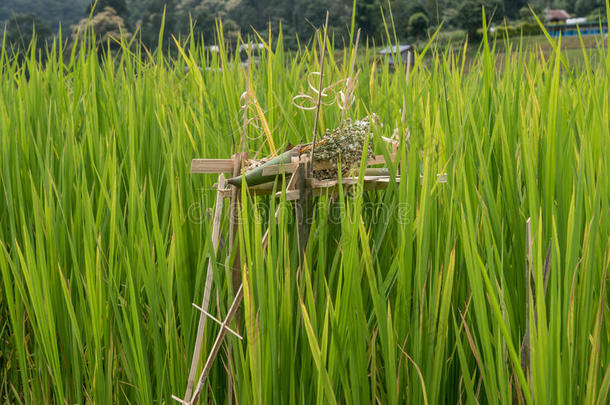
(320,92)
(224,325)
(216,347)
(526,344)
(208,286)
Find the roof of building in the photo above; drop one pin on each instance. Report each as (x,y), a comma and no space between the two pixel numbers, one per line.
(551,15)
(394,49)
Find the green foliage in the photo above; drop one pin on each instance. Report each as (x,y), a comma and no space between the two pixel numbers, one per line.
(512,8)
(418,25)
(23,30)
(527,13)
(583,8)
(470,15)
(205,16)
(120,6)
(450,38)
(52,12)
(597,14)
(451,17)
(159,23)
(368,18)
(108,27)
(298,19)
(521,29)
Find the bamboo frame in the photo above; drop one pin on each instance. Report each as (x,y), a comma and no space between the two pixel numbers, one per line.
(298,187)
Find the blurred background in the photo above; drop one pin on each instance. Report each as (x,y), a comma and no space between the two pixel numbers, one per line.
(413,20)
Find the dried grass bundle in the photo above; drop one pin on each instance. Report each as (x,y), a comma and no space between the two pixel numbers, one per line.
(344,144)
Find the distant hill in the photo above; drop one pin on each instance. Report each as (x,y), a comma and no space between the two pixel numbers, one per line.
(297,18)
(52,11)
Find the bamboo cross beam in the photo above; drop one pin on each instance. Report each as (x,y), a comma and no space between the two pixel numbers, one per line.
(211,166)
(317,166)
(217,166)
(374,179)
(219,322)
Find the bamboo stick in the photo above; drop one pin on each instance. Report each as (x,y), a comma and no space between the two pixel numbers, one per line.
(208,287)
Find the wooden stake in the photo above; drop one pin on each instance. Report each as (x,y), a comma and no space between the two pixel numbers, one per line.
(530,294)
(547,265)
(320,91)
(525,345)
(208,287)
(234,221)
(219,339)
(223,330)
(246,105)
(239,160)
(349,86)
(303,209)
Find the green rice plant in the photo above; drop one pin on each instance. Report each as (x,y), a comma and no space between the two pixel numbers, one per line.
(414,294)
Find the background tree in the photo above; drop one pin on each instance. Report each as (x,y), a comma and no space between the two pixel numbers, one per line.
(368,18)
(152,22)
(512,8)
(583,8)
(418,25)
(205,15)
(418,7)
(298,19)
(120,6)
(23,30)
(470,16)
(315,14)
(525,13)
(451,17)
(107,26)
(567,5)
(597,13)
(52,12)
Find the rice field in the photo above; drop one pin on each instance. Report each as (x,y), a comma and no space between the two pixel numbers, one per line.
(415,294)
